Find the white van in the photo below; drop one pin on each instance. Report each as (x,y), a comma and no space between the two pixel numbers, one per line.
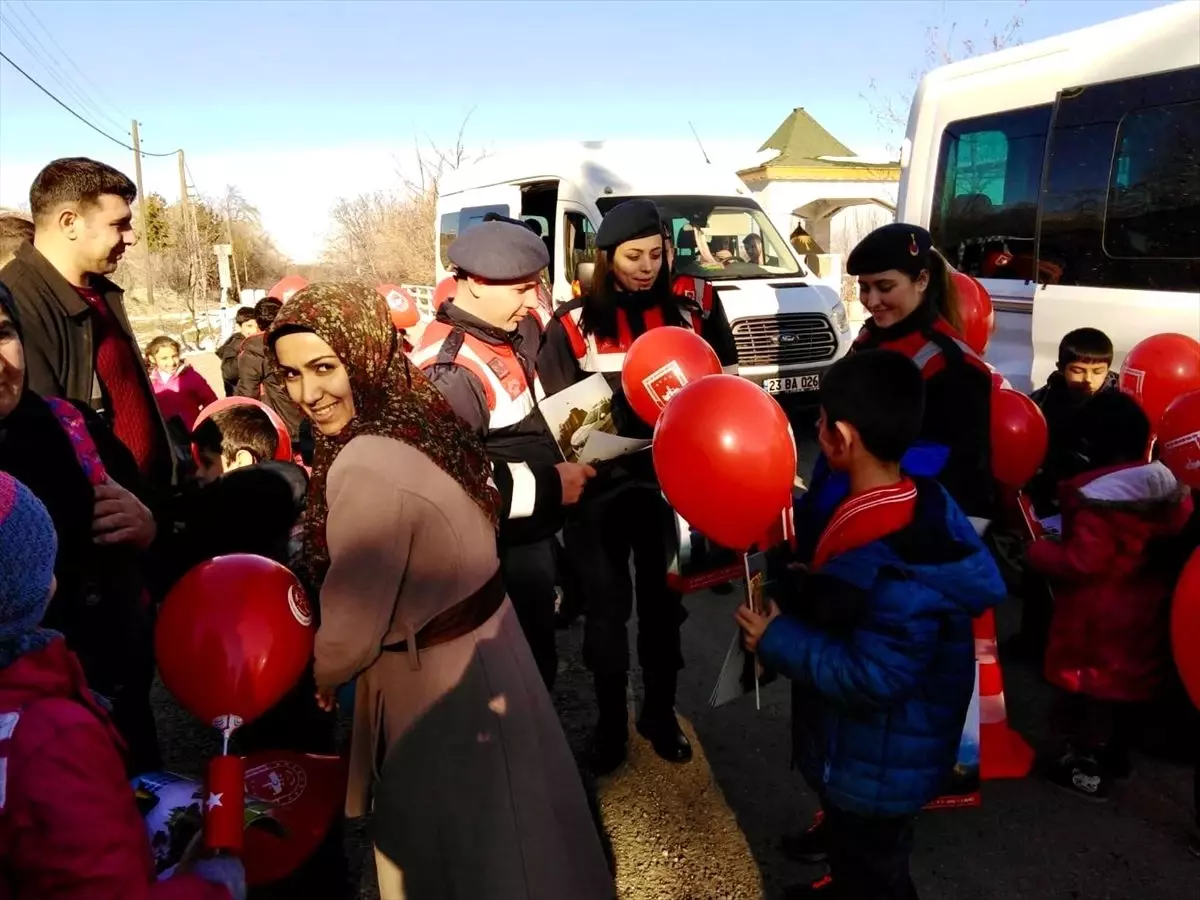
(789,327)
(1065,175)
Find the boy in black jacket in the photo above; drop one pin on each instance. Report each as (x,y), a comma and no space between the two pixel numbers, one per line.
(245,326)
(1085,358)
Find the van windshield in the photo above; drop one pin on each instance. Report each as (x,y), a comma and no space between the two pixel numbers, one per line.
(720,238)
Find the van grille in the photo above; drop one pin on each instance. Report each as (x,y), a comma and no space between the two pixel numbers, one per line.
(787,339)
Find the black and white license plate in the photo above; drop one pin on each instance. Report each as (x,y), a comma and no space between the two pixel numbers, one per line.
(792,384)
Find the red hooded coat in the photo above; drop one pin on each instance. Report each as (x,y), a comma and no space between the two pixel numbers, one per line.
(69,826)
(1109,634)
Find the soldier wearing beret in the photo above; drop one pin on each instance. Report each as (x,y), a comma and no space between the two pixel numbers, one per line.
(625,512)
(481,351)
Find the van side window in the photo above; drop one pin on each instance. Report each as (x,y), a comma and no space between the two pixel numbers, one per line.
(579,242)
(1153,209)
(447,232)
(985,197)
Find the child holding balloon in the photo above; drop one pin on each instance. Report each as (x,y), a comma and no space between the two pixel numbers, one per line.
(1108,636)
(69,825)
(878,639)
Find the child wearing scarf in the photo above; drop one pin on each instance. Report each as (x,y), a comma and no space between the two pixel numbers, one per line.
(877,638)
(69,826)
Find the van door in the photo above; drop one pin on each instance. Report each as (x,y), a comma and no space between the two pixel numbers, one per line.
(1119,229)
(463,210)
(574,243)
(984,219)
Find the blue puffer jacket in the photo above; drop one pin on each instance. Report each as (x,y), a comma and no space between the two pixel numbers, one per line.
(882,657)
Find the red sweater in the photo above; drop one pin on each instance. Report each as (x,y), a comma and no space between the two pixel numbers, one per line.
(122,374)
(69,826)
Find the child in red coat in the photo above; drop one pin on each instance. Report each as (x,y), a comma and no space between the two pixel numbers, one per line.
(1108,644)
(69,825)
(180,390)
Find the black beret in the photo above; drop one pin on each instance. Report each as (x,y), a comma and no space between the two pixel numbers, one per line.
(499,251)
(895,246)
(628,221)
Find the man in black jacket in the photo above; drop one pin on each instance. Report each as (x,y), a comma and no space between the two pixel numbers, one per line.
(78,341)
(481,352)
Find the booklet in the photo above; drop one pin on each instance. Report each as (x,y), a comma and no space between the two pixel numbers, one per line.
(580,419)
(741,672)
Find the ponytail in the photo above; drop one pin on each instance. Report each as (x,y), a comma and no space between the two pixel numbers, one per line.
(941,291)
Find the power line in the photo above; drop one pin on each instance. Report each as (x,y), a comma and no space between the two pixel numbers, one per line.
(89,82)
(94,127)
(21,30)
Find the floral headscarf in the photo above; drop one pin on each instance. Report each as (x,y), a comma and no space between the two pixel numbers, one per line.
(392,398)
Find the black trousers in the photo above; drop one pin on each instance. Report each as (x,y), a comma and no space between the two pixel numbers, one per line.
(600,541)
(869,857)
(529,576)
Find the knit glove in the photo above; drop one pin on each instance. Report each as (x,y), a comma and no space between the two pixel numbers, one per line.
(227,871)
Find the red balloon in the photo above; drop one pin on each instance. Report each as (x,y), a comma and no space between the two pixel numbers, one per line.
(660,363)
(444,291)
(401,305)
(1019,438)
(726,459)
(1185,627)
(1179,438)
(286,286)
(1159,369)
(283,449)
(975,311)
(306,793)
(233,636)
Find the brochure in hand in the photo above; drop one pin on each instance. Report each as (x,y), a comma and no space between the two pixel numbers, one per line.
(581,420)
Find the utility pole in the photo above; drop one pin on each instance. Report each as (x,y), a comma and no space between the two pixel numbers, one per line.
(137,172)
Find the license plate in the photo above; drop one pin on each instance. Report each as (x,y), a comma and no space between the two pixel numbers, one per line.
(792,384)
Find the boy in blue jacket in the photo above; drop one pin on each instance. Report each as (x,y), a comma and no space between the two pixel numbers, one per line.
(876,636)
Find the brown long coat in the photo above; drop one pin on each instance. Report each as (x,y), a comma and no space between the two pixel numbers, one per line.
(478,794)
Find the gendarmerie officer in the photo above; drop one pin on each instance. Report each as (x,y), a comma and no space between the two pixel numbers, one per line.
(481,351)
(624,511)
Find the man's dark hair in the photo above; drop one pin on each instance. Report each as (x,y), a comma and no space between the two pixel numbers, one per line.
(235,428)
(1085,345)
(265,311)
(1111,430)
(881,393)
(244,315)
(15,229)
(77,180)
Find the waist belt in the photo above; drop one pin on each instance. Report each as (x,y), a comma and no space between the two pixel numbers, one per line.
(460,619)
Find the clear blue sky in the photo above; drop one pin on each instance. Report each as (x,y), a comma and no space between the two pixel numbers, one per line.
(221,78)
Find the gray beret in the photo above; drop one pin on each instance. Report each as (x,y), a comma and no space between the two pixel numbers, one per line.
(499,251)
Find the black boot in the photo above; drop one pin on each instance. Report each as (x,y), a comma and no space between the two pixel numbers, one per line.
(610,742)
(658,724)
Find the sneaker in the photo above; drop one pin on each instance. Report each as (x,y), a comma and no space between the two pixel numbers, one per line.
(809,846)
(1081,776)
(822,887)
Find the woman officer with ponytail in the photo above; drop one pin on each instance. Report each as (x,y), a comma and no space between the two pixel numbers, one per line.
(623,511)
(905,286)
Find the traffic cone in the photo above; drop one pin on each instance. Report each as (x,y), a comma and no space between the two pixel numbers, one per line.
(1002,752)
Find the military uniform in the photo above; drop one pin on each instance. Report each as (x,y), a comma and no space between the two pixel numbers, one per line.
(489,375)
(624,512)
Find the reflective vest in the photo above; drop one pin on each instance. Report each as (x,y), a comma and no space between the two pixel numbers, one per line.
(698,290)
(496,366)
(604,354)
(928,348)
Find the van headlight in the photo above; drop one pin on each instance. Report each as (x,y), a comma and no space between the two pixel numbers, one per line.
(838,315)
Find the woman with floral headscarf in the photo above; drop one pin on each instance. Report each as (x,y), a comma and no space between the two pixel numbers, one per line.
(477,793)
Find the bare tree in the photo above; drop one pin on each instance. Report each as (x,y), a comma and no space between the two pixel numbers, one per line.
(944,44)
(388,235)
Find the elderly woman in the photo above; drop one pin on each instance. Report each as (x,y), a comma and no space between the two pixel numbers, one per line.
(477,793)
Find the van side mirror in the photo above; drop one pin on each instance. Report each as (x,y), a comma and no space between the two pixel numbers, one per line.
(583,275)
